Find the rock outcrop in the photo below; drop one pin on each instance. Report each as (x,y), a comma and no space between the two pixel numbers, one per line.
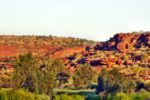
(125,42)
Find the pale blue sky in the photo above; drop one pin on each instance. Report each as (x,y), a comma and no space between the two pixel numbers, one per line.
(90,19)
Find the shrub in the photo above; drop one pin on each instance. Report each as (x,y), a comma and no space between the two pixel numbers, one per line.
(20,94)
(78,97)
(121,96)
(68,97)
(3,95)
(132,96)
(145,95)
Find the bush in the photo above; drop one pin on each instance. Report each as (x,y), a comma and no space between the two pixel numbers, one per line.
(20,94)
(68,97)
(3,95)
(78,97)
(132,96)
(145,95)
(121,96)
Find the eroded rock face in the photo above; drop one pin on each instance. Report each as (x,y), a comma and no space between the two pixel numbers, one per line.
(66,52)
(125,42)
(125,51)
(143,40)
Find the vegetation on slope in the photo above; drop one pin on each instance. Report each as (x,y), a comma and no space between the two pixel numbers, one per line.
(122,74)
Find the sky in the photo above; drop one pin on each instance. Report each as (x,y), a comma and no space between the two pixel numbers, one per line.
(90,19)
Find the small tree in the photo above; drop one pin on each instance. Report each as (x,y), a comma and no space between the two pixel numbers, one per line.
(83,75)
(48,76)
(114,81)
(101,81)
(24,75)
(28,75)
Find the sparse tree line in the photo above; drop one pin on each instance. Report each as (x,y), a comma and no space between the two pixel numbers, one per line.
(31,76)
(35,77)
(42,77)
(111,82)
(44,40)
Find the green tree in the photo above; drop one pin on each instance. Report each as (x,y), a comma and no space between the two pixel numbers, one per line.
(83,75)
(24,75)
(102,81)
(47,76)
(114,81)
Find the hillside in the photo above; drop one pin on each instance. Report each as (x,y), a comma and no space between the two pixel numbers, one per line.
(39,45)
(42,47)
(130,52)
(127,51)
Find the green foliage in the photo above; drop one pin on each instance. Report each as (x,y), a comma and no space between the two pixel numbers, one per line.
(29,76)
(20,94)
(44,40)
(114,81)
(131,96)
(47,75)
(109,96)
(83,75)
(121,96)
(24,75)
(68,97)
(3,95)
